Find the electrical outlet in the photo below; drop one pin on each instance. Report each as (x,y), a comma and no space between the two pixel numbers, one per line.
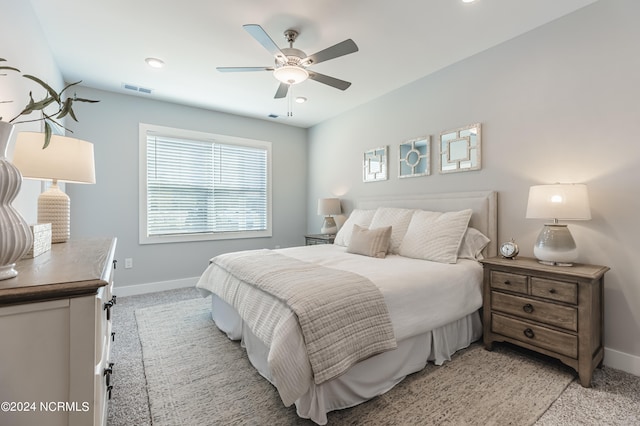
(128,263)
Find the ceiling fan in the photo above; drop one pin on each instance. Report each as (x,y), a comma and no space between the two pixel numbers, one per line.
(291,65)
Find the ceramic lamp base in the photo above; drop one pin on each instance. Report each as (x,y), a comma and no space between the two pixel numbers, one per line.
(53,208)
(555,246)
(329,226)
(15,235)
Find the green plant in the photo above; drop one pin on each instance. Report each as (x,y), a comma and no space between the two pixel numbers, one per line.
(65,106)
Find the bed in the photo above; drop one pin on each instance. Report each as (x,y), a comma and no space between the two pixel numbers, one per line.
(416,302)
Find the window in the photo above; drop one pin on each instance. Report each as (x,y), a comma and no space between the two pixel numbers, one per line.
(198,186)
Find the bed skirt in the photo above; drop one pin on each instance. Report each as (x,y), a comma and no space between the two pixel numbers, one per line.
(366,379)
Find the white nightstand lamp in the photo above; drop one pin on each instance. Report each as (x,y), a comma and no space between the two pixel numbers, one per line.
(65,160)
(555,245)
(328,207)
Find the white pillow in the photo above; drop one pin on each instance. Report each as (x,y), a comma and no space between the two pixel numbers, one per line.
(397,219)
(435,236)
(370,242)
(472,245)
(357,217)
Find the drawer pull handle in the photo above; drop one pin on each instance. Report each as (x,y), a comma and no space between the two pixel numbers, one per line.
(552,291)
(107,307)
(528,308)
(529,333)
(507,282)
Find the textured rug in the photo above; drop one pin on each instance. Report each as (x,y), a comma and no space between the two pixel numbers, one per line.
(196,376)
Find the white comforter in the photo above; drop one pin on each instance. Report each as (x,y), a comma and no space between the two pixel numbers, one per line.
(420,296)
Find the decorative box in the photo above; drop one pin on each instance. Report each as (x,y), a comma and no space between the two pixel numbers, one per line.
(41,240)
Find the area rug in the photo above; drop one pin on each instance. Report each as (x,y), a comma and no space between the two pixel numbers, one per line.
(197,376)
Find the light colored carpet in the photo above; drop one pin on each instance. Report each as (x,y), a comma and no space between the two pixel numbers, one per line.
(195,375)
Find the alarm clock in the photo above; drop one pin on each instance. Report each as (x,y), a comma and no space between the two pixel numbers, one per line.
(509,250)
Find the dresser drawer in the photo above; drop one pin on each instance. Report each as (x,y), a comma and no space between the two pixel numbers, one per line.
(535,310)
(555,290)
(507,281)
(537,335)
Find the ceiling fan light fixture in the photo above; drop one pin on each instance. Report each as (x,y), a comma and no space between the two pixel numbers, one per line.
(290,74)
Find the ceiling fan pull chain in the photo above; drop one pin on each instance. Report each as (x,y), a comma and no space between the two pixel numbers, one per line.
(290,102)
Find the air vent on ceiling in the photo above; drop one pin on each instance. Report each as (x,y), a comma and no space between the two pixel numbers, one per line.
(273,116)
(136,88)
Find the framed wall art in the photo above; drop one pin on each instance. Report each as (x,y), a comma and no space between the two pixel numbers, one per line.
(460,149)
(374,165)
(414,157)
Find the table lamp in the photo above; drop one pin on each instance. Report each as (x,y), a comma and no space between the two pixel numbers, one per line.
(328,207)
(64,160)
(555,245)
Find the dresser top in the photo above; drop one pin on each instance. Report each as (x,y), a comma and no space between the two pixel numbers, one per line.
(77,267)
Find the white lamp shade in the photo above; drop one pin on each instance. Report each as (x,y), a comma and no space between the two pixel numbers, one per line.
(329,206)
(65,159)
(559,201)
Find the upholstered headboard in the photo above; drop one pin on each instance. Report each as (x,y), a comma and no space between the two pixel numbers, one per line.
(484,205)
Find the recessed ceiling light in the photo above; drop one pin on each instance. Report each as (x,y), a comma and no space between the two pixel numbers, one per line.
(301,99)
(468,1)
(154,62)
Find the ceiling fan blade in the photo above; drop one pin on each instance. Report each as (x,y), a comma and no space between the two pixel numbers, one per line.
(329,81)
(243,69)
(335,51)
(282,91)
(263,38)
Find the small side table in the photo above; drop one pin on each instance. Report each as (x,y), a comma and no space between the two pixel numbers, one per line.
(554,310)
(315,239)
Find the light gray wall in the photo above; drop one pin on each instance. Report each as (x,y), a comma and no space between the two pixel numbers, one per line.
(558,104)
(110,207)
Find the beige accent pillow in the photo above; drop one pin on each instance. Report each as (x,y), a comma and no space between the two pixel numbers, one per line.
(357,217)
(395,217)
(472,245)
(370,242)
(435,236)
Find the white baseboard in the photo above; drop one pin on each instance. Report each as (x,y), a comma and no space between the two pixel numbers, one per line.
(134,290)
(622,361)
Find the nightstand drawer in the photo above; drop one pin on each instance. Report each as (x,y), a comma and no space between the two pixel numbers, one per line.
(536,335)
(560,316)
(555,290)
(508,281)
(317,239)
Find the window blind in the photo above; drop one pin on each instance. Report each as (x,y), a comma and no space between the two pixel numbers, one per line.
(199,187)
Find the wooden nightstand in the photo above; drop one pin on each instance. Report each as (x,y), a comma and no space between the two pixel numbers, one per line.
(315,239)
(554,310)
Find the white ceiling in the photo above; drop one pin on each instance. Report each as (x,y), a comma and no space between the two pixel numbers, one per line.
(104,43)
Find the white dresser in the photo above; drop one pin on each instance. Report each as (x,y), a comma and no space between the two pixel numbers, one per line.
(55,336)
